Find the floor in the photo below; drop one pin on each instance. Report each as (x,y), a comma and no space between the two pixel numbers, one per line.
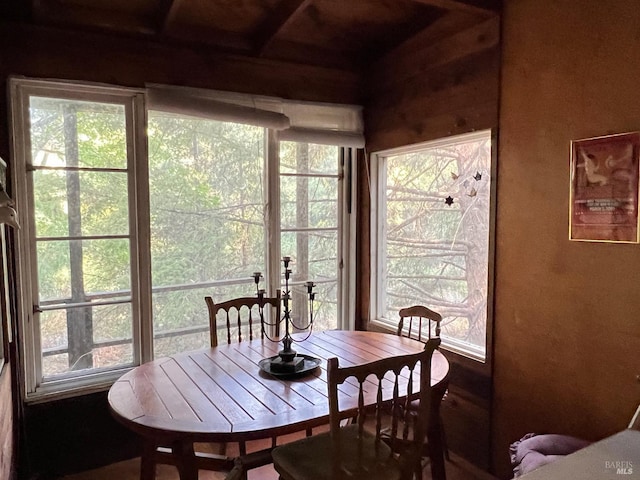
(130,470)
(457,469)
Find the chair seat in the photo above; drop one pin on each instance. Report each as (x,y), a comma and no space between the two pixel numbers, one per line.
(310,458)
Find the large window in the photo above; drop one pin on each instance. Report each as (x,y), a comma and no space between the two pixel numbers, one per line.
(208,230)
(207,221)
(431,235)
(131,215)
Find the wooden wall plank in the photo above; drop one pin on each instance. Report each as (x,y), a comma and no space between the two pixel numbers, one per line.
(74,434)
(438,95)
(473,69)
(462,120)
(479,7)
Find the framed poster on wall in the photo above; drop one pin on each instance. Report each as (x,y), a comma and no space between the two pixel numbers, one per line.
(604,188)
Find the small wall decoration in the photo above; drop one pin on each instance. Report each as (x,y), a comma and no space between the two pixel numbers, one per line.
(604,188)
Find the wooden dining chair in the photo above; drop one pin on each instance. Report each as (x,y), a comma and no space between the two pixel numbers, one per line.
(422,324)
(354,452)
(413,321)
(241,317)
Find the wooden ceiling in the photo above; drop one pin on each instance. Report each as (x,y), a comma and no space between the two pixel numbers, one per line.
(344,34)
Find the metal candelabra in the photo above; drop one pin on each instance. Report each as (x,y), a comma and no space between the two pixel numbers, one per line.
(287,361)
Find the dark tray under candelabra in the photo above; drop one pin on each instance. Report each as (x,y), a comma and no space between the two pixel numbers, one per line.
(273,366)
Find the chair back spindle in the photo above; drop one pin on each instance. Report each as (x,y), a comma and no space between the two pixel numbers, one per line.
(238,314)
(422,316)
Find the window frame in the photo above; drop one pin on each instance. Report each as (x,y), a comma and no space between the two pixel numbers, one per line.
(136,112)
(22,181)
(377,237)
(346,228)
(5,327)
(5,311)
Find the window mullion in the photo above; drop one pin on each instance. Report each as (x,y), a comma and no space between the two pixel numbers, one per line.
(344,316)
(272,212)
(381,271)
(376,167)
(347,236)
(141,232)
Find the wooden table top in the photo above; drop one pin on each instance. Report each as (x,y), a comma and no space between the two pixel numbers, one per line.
(220,394)
(611,457)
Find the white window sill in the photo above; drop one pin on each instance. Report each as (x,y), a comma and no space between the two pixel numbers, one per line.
(454,345)
(67,388)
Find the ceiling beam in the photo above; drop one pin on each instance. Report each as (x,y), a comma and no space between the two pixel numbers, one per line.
(276,22)
(445,26)
(485,8)
(209,37)
(53,12)
(167,14)
(325,56)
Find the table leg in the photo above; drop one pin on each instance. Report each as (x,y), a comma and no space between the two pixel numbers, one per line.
(147,461)
(435,436)
(185,460)
(436,453)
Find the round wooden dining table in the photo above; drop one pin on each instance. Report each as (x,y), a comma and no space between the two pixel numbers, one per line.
(221,394)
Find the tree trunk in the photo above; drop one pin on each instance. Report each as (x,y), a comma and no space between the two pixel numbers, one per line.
(79,320)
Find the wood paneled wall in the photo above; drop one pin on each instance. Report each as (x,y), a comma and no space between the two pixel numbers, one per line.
(567,331)
(7,448)
(429,88)
(75,434)
(433,89)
